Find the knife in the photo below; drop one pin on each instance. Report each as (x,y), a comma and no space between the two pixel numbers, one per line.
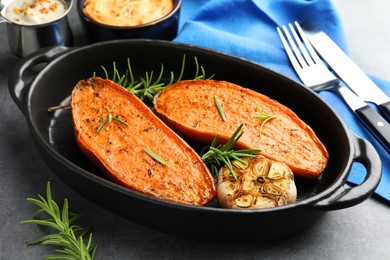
(373,121)
(349,72)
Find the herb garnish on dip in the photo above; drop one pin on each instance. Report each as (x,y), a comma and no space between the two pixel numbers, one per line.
(33,12)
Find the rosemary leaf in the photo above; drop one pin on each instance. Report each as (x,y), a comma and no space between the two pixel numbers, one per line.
(159,76)
(120,121)
(219,107)
(228,164)
(183,64)
(130,72)
(43,222)
(197,69)
(155,156)
(102,125)
(105,72)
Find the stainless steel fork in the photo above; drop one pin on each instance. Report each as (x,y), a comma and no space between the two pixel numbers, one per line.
(315,75)
(310,68)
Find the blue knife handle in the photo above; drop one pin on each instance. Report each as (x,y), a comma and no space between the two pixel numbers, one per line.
(385,109)
(376,124)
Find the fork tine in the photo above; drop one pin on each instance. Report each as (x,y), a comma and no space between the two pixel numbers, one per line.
(295,49)
(302,48)
(305,61)
(308,45)
(288,50)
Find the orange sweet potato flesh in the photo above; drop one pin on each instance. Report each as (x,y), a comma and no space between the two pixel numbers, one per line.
(119,150)
(189,108)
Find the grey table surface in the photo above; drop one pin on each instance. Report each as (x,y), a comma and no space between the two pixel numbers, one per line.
(359,232)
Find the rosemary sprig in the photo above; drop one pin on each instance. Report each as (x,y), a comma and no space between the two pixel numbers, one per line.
(224,153)
(73,246)
(54,108)
(149,85)
(219,107)
(264,117)
(155,156)
(108,119)
(146,87)
(200,72)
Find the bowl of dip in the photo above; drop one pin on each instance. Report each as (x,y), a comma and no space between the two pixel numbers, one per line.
(129,19)
(36,24)
(34,12)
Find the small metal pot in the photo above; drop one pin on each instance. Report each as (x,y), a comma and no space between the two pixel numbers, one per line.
(165,28)
(26,39)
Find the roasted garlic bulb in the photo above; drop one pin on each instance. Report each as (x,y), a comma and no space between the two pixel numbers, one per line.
(261,183)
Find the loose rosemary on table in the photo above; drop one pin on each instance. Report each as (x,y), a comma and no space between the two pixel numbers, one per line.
(215,156)
(68,237)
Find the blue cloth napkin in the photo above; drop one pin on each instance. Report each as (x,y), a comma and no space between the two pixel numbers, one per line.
(247,28)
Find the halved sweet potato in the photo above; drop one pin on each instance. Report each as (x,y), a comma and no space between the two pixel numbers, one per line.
(119,149)
(189,108)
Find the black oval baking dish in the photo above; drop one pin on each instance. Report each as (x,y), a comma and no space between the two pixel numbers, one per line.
(53,135)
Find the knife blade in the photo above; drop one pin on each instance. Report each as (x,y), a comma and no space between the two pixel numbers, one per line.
(349,72)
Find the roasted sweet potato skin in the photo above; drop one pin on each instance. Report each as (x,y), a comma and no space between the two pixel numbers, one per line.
(189,108)
(119,150)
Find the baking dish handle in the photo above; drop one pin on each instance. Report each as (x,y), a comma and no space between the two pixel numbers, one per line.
(344,197)
(27,69)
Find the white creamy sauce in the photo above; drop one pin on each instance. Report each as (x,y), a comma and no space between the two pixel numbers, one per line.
(33,12)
